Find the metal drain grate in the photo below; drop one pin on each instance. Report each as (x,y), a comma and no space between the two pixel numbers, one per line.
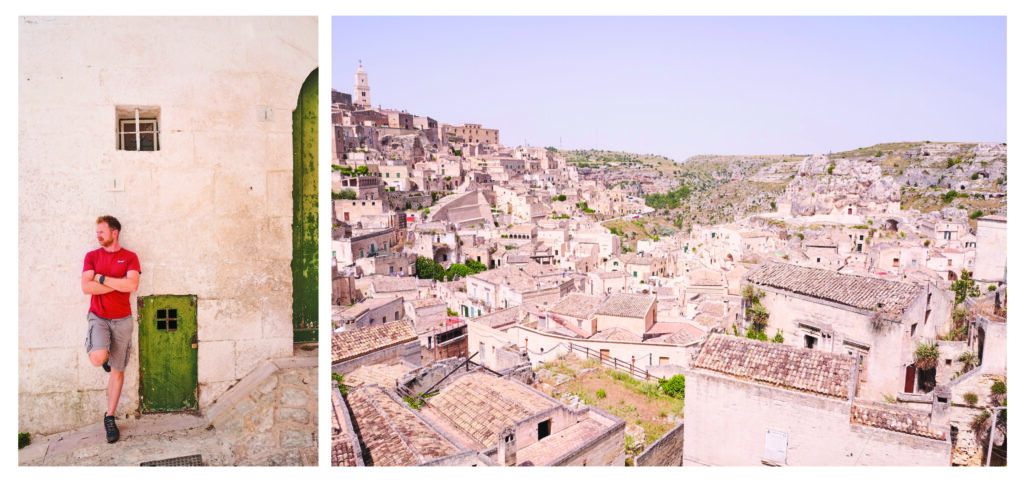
(186,461)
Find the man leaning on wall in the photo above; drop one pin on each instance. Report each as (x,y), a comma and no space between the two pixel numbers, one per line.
(110,275)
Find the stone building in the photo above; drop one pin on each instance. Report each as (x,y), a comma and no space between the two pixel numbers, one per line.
(990,262)
(361,90)
(209,191)
(472,133)
(878,321)
(758,403)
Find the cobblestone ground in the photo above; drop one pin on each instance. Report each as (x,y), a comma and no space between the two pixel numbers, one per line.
(274,424)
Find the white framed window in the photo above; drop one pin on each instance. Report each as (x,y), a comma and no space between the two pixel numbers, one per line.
(138,128)
(775,447)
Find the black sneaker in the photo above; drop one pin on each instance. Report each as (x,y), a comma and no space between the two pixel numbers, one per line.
(106,367)
(112,433)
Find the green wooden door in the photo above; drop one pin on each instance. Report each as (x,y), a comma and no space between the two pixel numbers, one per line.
(305,265)
(168,347)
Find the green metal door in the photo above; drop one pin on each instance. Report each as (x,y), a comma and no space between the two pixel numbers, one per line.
(168,347)
(305,265)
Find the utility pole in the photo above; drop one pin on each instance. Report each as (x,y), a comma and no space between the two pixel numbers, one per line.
(991,434)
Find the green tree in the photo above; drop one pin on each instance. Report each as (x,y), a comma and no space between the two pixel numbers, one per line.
(458,270)
(362,170)
(340,379)
(427,268)
(344,194)
(758,316)
(476,266)
(964,287)
(674,387)
(926,356)
(778,337)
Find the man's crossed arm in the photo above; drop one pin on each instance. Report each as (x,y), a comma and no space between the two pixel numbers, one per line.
(91,283)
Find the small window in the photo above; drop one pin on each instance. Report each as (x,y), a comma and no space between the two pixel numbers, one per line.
(775,447)
(913,330)
(167,319)
(810,341)
(138,128)
(543,429)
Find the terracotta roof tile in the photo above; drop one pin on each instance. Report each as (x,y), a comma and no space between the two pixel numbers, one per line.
(577,305)
(848,289)
(481,405)
(351,344)
(342,452)
(392,435)
(626,304)
(789,367)
(894,418)
(391,284)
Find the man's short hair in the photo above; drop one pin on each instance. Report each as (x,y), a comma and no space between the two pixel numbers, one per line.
(111,221)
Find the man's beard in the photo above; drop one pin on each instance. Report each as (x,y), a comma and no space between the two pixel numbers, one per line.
(106,244)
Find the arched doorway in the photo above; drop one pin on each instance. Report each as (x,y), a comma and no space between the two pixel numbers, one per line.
(305,264)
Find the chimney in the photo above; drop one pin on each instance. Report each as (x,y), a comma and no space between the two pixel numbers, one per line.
(507,447)
(941,402)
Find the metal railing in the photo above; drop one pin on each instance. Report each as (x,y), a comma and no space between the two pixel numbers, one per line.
(614,363)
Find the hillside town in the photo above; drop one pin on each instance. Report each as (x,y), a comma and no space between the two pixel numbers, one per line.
(507,306)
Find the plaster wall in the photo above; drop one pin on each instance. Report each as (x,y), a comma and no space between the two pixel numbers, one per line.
(209,213)
(737,414)
(990,263)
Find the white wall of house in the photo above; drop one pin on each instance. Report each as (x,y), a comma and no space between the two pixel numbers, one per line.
(727,423)
(209,213)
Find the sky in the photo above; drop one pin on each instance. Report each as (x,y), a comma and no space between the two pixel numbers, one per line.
(680,86)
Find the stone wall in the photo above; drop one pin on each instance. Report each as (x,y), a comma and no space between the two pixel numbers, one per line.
(727,422)
(209,213)
(605,450)
(408,353)
(667,451)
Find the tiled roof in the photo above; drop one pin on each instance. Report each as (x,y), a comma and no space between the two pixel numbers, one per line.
(630,258)
(363,306)
(546,451)
(512,277)
(500,318)
(894,418)
(617,334)
(355,343)
(848,289)
(391,434)
(481,405)
(626,304)
(380,374)
(425,302)
(788,367)
(711,307)
(392,284)
(342,452)
(707,321)
(577,305)
(684,336)
(608,274)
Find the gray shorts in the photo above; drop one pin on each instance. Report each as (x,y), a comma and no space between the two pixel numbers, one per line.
(114,336)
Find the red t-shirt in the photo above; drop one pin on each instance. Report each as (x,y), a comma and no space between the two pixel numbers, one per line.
(115,265)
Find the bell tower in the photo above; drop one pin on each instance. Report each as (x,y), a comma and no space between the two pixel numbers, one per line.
(361,93)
